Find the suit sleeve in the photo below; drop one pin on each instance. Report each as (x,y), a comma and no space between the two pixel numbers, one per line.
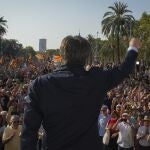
(118,74)
(32,119)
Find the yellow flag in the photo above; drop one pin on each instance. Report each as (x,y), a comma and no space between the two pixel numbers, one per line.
(39,56)
(13,63)
(57,58)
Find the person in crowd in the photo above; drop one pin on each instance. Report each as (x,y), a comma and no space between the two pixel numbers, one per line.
(133,121)
(102,122)
(143,134)
(149,104)
(146,111)
(133,117)
(12,105)
(11,135)
(108,99)
(4,116)
(125,138)
(113,132)
(67,101)
(118,110)
(140,119)
(4,99)
(2,127)
(21,99)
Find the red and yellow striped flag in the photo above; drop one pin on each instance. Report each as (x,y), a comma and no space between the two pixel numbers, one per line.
(57,58)
(39,56)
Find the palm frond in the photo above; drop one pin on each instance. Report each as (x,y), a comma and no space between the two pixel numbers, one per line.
(108,14)
(3,26)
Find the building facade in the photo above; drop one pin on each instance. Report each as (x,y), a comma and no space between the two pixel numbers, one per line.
(42,45)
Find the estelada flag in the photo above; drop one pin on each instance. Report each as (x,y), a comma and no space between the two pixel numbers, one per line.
(13,63)
(57,58)
(30,59)
(39,56)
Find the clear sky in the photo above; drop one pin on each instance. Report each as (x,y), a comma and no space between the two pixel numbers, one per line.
(30,20)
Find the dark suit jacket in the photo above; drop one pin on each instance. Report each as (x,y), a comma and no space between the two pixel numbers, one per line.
(67,103)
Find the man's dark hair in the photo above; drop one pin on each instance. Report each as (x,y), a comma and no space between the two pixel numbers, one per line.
(75,50)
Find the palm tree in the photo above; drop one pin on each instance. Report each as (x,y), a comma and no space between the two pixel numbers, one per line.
(3,30)
(3,26)
(117,23)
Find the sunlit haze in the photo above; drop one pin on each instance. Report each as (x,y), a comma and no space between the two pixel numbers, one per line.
(30,20)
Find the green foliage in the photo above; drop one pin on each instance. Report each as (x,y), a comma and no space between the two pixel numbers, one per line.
(11,48)
(96,44)
(142,30)
(117,23)
(51,52)
(28,51)
(3,26)
(3,30)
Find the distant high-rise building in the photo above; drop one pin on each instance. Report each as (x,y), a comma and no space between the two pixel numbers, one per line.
(42,44)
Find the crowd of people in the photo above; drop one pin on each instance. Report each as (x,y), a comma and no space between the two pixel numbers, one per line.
(14,82)
(125,113)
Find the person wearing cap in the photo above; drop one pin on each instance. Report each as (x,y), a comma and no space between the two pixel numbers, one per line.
(11,135)
(102,122)
(125,138)
(143,134)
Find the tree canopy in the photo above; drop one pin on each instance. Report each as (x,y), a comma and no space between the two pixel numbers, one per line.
(117,22)
(3,26)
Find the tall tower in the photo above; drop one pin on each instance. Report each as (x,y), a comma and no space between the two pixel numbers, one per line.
(42,44)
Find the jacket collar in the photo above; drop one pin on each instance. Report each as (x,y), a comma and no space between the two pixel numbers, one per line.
(69,67)
(75,69)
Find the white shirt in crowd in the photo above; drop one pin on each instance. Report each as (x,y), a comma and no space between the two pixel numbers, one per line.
(125,138)
(140,133)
